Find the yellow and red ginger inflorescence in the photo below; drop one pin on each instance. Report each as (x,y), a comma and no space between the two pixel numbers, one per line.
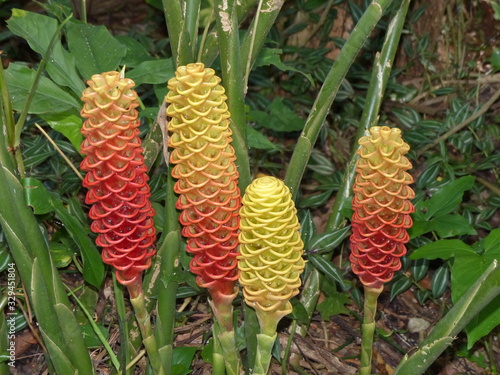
(207,178)
(381,206)
(271,249)
(116,180)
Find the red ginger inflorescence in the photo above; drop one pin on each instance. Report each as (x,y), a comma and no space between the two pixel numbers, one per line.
(116,180)
(381,206)
(207,176)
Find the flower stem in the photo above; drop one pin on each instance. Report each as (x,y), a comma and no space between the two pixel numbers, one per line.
(224,333)
(368,328)
(144,321)
(265,345)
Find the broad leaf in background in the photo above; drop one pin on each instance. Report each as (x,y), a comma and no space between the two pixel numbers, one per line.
(256,139)
(272,56)
(152,71)
(37,196)
(280,117)
(182,358)
(434,214)
(468,266)
(136,52)
(97,50)
(67,124)
(49,97)
(445,199)
(38,30)
(328,241)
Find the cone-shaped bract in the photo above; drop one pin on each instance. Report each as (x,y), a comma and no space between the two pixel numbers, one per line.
(381,206)
(207,177)
(118,191)
(271,248)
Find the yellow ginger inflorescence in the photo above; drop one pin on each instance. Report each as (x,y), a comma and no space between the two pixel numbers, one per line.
(270,260)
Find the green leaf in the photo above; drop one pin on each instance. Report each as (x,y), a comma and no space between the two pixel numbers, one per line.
(136,52)
(484,322)
(307,228)
(256,139)
(328,269)
(448,225)
(152,71)
(328,240)
(38,30)
(49,97)
(97,50)
(271,56)
(465,271)
(280,118)
(492,244)
(68,125)
(446,199)
(61,255)
(93,268)
(440,281)
(443,249)
(334,305)
(419,269)
(182,358)
(5,258)
(399,286)
(480,294)
(36,196)
(90,336)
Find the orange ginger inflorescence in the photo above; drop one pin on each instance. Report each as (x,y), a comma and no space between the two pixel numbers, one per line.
(207,176)
(381,206)
(116,180)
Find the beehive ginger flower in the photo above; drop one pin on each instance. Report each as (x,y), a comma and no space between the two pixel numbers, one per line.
(271,249)
(116,180)
(207,178)
(381,206)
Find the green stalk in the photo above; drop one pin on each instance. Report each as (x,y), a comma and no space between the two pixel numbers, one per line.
(124,352)
(144,321)
(223,332)
(378,83)
(218,365)
(265,345)
(210,51)
(180,42)
(328,91)
(169,253)
(192,21)
(232,77)
(368,328)
(7,124)
(264,19)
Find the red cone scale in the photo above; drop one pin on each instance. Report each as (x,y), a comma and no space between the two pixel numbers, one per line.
(381,206)
(116,180)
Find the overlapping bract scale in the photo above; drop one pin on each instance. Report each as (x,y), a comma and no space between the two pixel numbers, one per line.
(207,178)
(270,260)
(381,206)
(116,180)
